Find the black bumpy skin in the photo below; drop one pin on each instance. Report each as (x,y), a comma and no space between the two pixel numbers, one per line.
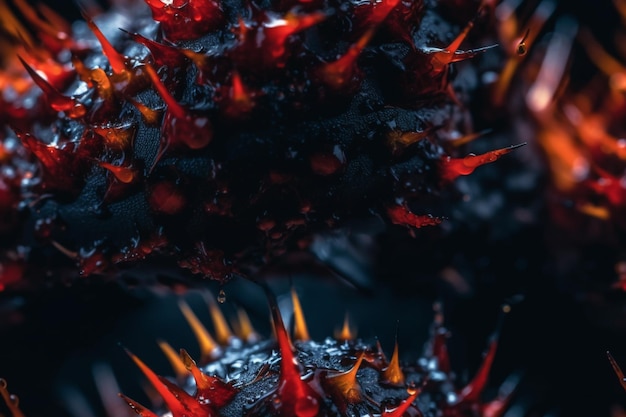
(254,130)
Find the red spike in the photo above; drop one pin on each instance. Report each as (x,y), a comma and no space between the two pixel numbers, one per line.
(122,173)
(172,105)
(175,405)
(186,19)
(298,399)
(51,158)
(380,10)
(164,55)
(139,409)
(471,392)
(401,215)
(610,186)
(117,60)
(441,58)
(240,100)
(618,371)
(192,407)
(339,72)
(195,132)
(278,30)
(57,101)
(402,408)
(212,389)
(452,168)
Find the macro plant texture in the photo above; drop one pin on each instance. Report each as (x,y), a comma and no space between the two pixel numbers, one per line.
(366,155)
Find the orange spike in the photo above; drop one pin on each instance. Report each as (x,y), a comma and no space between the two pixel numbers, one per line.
(208,347)
(245,330)
(65,251)
(123,174)
(177,364)
(346,332)
(401,215)
(217,392)
(12,402)
(172,402)
(57,101)
(150,116)
(139,409)
(338,73)
(399,140)
(553,68)
(393,373)
(617,370)
(115,58)
(13,26)
(346,384)
(441,58)
(300,331)
(164,55)
(172,105)
(44,27)
(599,212)
(223,333)
(402,408)
(453,168)
(296,396)
(55,19)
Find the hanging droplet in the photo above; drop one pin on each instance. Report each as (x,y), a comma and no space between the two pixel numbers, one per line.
(221,297)
(522,49)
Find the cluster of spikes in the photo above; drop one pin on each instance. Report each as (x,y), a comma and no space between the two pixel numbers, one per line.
(201,119)
(580,124)
(240,374)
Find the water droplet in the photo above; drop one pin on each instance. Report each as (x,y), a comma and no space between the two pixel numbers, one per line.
(221,297)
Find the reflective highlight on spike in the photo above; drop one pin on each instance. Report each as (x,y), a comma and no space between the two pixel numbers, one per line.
(452,168)
(116,60)
(57,101)
(393,373)
(403,407)
(298,399)
(346,384)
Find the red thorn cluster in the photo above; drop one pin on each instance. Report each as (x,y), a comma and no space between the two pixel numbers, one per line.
(233,121)
(305,379)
